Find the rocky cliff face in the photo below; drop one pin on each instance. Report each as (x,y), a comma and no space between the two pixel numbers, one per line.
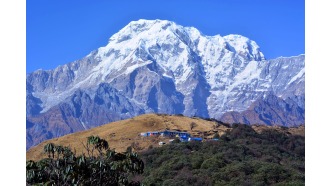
(159,66)
(270,110)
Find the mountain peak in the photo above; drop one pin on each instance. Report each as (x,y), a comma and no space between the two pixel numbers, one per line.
(160,66)
(158,32)
(134,28)
(150,22)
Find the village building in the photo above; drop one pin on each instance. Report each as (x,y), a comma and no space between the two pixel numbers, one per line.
(182,136)
(167,133)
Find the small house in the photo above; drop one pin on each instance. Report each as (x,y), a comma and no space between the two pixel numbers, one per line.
(167,133)
(195,139)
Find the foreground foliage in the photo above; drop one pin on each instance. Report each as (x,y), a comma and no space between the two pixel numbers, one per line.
(240,157)
(102,166)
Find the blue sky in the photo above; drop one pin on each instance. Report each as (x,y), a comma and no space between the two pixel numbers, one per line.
(59,32)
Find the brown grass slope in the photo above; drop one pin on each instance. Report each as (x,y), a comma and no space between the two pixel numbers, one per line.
(122,134)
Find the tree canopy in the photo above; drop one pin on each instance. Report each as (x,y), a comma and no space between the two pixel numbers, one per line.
(240,157)
(106,167)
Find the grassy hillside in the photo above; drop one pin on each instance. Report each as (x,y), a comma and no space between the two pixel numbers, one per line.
(122,134)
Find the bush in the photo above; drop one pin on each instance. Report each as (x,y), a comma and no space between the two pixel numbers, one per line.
(216,136)
(63,167)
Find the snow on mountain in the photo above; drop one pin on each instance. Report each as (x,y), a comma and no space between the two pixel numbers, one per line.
(159,66)
(175,48)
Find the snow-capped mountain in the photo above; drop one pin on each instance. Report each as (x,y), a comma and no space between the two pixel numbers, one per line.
(159,66)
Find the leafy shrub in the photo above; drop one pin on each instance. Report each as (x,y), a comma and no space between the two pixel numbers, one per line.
(63,167)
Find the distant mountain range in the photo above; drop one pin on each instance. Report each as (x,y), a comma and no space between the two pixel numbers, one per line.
(157,66)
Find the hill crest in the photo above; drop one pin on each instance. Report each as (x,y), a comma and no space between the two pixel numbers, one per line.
(125,133)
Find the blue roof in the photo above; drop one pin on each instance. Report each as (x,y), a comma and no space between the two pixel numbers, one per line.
(196,139)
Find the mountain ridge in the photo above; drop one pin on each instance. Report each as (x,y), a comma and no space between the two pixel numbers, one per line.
(158,66)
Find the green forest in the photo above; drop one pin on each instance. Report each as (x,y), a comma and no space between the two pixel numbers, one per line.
(239,157)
